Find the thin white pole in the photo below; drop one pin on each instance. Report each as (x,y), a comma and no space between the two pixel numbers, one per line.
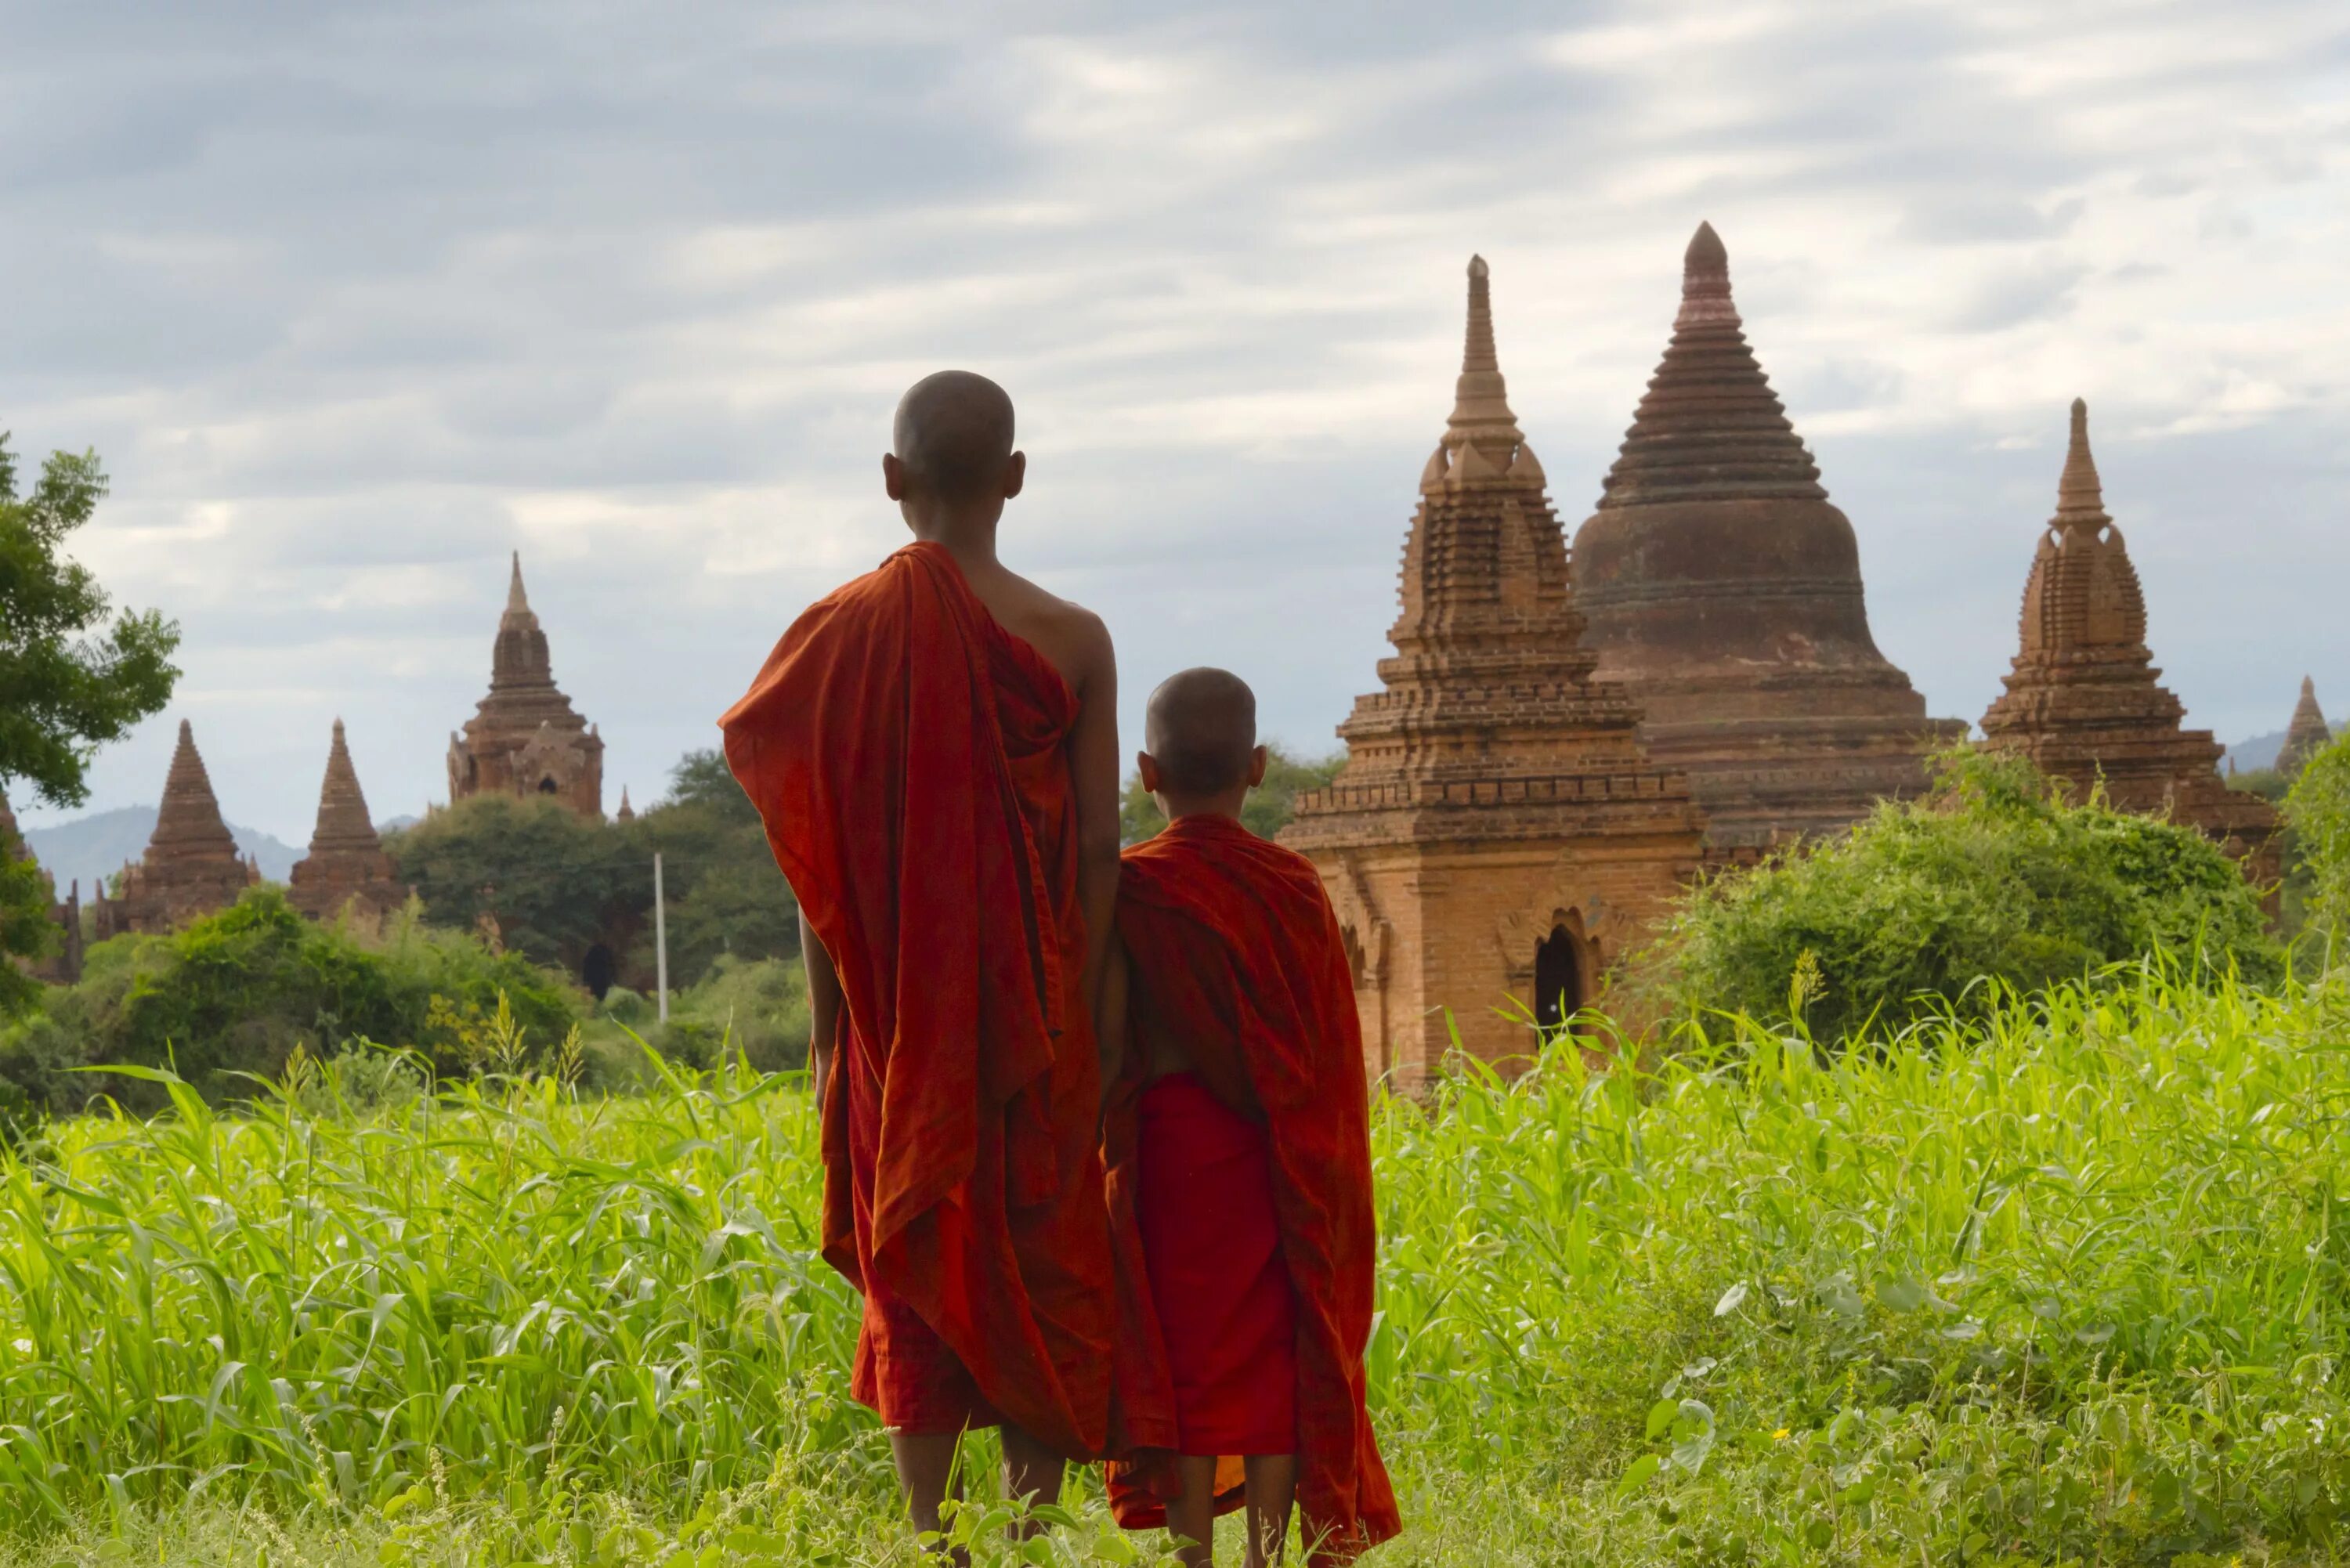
(661,941)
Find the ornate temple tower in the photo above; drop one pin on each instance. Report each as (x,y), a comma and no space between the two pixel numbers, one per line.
(524,737)
(1498,830)
(1724,591)
(2307,734)
(2082,701)
(191,867)
(346,864)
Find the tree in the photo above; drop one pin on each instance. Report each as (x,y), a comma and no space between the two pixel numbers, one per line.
(1269,805)
(726,893)
(70,680)
(2318,810)
(550,882)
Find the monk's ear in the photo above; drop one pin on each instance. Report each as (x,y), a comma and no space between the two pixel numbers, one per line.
(1146,767)
(893,476)
(1015,473)
(1258,759)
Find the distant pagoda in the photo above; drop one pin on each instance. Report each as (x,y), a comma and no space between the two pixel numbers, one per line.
(1725,592)
(1497,830)
(2082,701)
(191,866)
(346,866)
(524,737)
(2307,734)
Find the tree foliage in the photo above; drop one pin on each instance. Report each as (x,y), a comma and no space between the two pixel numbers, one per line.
(2318,809)
(236,991)
(1994,875)
(726,895)
(1269,805)
(70,681)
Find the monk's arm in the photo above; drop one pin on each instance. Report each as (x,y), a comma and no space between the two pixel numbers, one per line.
(824,1005)
(1094,772)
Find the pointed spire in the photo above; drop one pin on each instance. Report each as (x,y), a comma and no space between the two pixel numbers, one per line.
(1481,406)
(518,603)
(343,821)
(1705,283)
(189,820)
(626,812)
(1709,428)
(2080,499)
(2307,735)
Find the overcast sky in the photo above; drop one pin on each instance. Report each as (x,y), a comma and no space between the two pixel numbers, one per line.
(354,299)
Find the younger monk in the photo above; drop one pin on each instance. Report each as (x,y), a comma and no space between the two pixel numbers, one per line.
(934,751)
(1239,1155)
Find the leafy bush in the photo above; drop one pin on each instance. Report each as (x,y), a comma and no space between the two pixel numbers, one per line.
(2318,808)
(236,992)
(758,1007)
(1994,876)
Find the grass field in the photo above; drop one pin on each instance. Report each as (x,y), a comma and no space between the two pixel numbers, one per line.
(2072,1286)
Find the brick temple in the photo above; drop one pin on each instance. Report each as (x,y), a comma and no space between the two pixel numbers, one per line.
(1721,587)
(524,737)
(1498,831)
(191,866)
(2082,701)
(345,867)
(2307,734)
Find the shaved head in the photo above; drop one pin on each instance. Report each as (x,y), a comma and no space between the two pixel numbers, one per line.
(953,434)
(1200,729)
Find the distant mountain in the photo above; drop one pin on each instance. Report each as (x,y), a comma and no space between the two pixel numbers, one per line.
(94,846)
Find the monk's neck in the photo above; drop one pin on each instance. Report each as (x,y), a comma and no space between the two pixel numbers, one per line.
(1202,814)
(970,540)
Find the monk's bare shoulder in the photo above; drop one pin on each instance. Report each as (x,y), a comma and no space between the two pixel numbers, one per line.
(1073,637)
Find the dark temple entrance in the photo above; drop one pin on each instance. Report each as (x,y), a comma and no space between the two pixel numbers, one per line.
(1558,978)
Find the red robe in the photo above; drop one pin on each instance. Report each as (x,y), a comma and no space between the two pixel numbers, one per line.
(1235,951)
(907,755)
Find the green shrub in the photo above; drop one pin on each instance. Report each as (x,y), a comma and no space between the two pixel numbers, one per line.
(234,993)
(1993,877)
(2318,808)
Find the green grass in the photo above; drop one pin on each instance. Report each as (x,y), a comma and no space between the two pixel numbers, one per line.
(2066,1284)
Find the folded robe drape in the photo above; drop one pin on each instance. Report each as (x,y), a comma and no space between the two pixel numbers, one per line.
(907,755)
(1235,951)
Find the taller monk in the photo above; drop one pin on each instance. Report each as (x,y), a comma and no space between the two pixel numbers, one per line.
(933,749)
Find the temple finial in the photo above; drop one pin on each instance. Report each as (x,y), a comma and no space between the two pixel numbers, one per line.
(515,599)
(1481,406)
(1705,283)
(2080,498)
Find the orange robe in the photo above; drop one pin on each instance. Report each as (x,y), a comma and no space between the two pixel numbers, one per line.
(907,754)
(1236,954)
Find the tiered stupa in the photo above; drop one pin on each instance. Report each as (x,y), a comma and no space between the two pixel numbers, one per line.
(524,737)
(2307,734)
(1497,831)
(62,964)
(1724,591)
(347,866)
(191,867)
(2082,701)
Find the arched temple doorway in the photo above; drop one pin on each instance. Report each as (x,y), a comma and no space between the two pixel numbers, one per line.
(1558,978)
(548,786)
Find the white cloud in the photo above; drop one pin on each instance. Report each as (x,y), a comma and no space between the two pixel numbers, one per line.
(353,302)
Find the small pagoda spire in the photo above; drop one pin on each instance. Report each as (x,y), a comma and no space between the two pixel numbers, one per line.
(1705,283)
(2308,734)
(626,812)
(1481,404)
(343,820)
(518,603)
(2080,498)
(190,816)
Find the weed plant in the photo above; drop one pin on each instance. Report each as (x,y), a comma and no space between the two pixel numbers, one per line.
(2065,1280)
